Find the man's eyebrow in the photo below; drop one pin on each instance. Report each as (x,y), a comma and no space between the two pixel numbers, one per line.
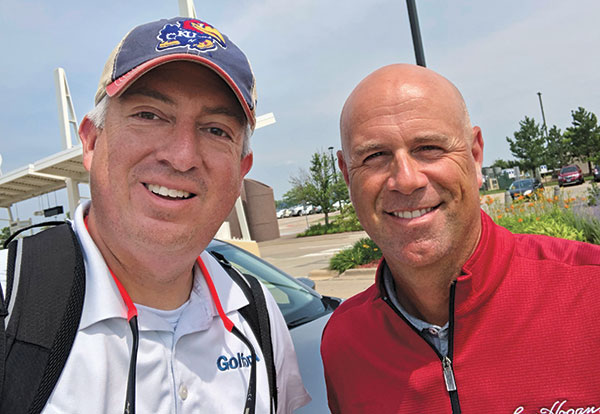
(223,110)
(150,93)
(362,149)
(154,94)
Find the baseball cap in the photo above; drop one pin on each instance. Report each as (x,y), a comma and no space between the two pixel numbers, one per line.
(180,38)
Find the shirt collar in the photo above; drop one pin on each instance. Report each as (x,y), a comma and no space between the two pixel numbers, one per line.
(103,300)
(390,289)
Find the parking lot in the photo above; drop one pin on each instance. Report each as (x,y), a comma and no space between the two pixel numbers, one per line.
(309,256)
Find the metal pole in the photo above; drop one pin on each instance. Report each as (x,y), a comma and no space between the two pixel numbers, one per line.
(333,164)
(543,116)
(416,32)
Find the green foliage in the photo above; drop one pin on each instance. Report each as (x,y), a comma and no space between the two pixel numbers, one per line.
(4,234)
(279,204)
(528,144)
(319,186)
(362,252)
(551,218)
(593,194)
(558,149)
(552,224)
(345,221)
(505,164)
(584,135)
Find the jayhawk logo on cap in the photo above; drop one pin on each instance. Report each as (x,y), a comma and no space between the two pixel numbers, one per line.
(191,33)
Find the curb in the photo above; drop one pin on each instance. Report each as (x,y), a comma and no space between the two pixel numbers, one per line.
(323,274)
(362,272)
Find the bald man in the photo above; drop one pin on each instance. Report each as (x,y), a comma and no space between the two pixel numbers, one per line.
(463,316)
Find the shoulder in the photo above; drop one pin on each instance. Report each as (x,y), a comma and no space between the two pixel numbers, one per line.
(347,317)
(552,249)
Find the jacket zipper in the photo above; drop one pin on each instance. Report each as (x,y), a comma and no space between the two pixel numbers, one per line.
(447,370)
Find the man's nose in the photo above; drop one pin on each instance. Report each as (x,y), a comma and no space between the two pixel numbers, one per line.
(181,150)
(406,175)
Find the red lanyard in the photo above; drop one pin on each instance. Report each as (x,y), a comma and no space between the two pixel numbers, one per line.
(133,324)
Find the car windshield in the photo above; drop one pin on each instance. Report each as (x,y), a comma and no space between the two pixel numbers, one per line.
(521,184)
(297,303)
(568,170)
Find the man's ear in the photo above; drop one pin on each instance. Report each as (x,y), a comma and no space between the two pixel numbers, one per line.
(343,167)
(477,152)
(246,164)
(88,133)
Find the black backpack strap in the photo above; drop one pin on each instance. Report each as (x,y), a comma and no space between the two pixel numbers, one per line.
(257,316)
(45,307)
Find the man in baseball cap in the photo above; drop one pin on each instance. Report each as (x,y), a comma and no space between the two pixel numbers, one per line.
(161,327)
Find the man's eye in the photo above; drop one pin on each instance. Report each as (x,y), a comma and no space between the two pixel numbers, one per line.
(217,131)
(430,148)
(147,115)
(374,155)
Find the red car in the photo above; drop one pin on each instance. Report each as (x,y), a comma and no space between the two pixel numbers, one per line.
(570,174)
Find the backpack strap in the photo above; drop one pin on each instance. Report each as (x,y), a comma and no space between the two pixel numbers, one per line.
(45,291)
(257,316)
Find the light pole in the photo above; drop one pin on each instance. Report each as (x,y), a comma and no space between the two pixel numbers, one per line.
(333,164)
(334,173)
(543,116)
(416,32)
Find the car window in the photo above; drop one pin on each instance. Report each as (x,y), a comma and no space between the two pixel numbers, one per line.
(568,169)
(297,303)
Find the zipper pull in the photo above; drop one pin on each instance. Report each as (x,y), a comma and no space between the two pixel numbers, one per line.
(448,374)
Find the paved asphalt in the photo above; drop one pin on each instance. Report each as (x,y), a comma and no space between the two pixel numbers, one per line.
(309,256)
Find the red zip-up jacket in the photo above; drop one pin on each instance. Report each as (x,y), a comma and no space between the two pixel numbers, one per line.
(524,337)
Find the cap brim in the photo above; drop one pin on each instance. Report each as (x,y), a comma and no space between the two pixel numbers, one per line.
(121,84)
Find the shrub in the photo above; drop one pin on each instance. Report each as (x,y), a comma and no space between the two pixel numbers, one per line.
(362,252)
(343,222)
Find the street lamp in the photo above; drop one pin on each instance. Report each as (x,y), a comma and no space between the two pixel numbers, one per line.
(543,116)
(333,163)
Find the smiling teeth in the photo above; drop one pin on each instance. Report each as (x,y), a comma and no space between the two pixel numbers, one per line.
(412,214)
(167,192)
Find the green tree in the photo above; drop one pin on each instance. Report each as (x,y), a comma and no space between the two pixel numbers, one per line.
(528,144)
(558,149)
(584,135)
(319,186)
(4,234)
(505,164)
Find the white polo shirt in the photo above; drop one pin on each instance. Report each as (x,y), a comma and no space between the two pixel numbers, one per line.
(194,368)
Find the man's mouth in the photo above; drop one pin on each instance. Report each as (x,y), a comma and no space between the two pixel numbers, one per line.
(410,214)
(169,193)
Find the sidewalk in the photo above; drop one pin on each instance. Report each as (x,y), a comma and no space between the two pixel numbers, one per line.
(309,257)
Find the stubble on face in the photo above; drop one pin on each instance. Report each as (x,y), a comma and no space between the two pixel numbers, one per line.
(391,111)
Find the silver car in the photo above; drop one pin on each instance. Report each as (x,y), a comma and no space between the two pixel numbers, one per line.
(305,311)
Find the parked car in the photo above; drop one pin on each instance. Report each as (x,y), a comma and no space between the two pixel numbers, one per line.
(526,187)
(297,211)
(596,172)
(305,311)
(280,213)
(309,209)
(570,174)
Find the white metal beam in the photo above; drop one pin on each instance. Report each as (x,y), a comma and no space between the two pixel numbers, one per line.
(187,9)
(67,119)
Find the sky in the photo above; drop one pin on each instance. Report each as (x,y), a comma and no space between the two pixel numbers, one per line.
(307,56)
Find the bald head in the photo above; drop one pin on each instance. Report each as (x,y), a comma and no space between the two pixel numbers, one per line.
(412,163)
(402,85)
